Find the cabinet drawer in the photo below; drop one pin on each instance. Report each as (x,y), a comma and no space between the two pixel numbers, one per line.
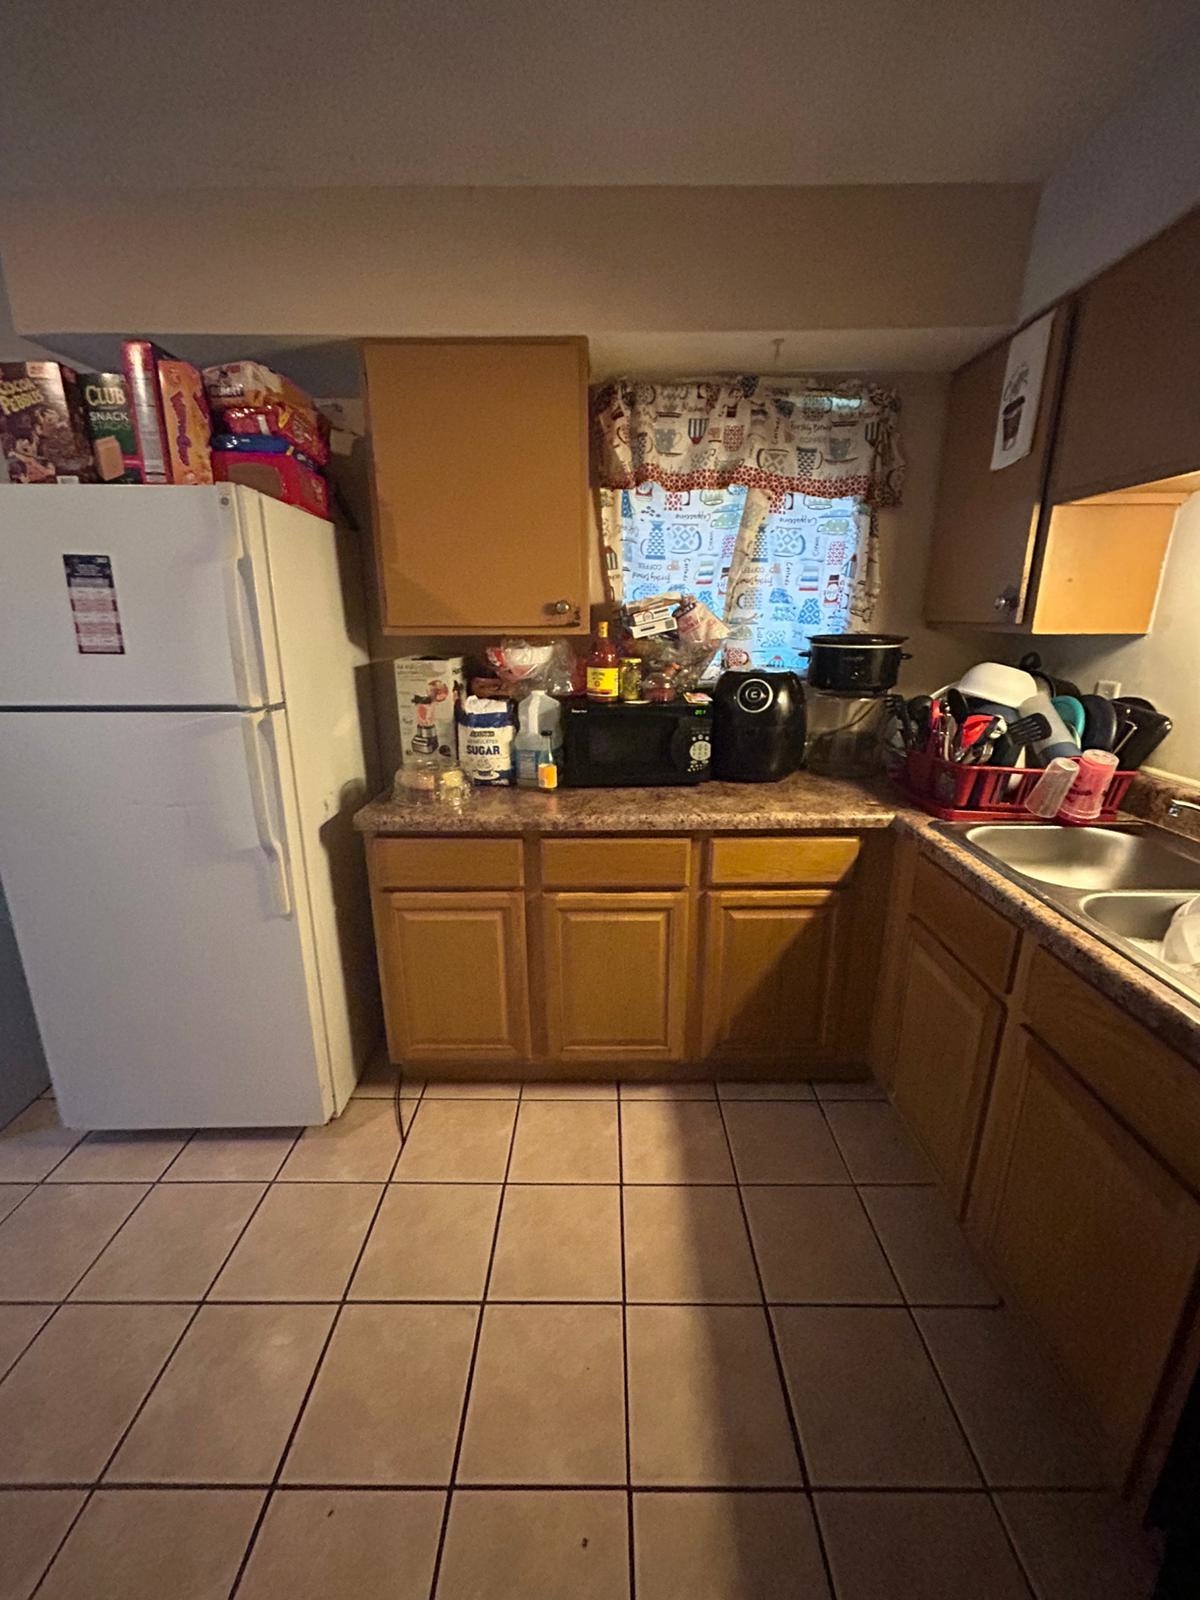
(774,859)
(1151,1088)
(447,863)
(983,940)
(616,863)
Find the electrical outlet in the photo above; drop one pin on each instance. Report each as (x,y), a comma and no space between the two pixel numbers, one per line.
(1110,688)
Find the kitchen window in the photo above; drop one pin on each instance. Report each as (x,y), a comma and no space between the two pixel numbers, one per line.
(798,582)
(761,496)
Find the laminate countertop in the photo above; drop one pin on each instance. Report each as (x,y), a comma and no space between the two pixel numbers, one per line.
(799,804)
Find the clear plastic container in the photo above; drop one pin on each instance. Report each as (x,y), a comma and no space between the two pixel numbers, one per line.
(1085,798)
(844,733)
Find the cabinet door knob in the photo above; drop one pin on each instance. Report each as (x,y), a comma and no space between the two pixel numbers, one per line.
(1007,599)
(559,607)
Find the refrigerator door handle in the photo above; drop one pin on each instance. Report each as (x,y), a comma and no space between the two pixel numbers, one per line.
(245,623)
(256,734)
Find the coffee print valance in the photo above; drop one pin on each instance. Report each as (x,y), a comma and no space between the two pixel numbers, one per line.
(797,437)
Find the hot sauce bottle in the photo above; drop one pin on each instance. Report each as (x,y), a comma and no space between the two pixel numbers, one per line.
(602,668)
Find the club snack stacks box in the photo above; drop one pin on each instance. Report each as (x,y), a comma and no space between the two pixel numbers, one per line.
(43,430)
(171,422)
(113,443)
(428,691)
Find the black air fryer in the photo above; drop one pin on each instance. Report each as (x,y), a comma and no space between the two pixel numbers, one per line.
(758,726)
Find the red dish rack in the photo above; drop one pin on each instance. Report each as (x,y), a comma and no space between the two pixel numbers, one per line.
(958,793)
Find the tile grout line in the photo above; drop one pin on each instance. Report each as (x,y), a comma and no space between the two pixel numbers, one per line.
(780,1371)
(629,1531)
(934,1368)
(451,1485)
(339,1307)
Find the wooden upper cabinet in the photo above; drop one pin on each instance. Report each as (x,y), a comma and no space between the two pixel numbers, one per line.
(986,523)
(482,517)
(1131,404)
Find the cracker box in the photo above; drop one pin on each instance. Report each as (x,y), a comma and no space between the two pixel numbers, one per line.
(428,691)
(43,431)
(283,475)
(187,421)
(113,444)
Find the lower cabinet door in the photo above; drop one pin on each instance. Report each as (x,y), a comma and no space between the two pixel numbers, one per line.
(616,976)
(454,976)
(947,1033)
(1097,1242)
(770,975)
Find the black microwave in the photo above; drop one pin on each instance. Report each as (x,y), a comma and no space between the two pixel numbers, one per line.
(617,744)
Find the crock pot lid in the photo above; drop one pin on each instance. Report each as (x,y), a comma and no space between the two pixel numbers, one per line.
(860,641)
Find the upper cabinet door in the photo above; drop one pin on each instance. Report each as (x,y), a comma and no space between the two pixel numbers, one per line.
(481,483)
(986,522)
(1131,406)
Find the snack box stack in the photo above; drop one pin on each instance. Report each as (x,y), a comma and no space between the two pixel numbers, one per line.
(169,415)
(269,436)
(43,430)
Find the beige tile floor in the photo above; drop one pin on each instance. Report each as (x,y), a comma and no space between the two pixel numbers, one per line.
(560,1343)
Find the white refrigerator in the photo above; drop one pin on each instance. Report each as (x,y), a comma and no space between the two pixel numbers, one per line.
(181,753)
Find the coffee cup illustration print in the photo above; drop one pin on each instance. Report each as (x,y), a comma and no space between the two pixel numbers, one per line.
(665,440)
(1010,421)
(839,449)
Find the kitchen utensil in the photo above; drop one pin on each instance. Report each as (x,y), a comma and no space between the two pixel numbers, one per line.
(1100,722)
(855,663)
(919,707)
(1031,662)
(994,681)
(1059,741)
(1150,728)
(1071,711)
(898,708)
(957,705)
(977,739)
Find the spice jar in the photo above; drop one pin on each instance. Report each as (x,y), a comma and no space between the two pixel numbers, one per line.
(630,680)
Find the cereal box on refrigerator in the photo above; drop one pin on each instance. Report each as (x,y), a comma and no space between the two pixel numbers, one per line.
(43,431)
(428,691)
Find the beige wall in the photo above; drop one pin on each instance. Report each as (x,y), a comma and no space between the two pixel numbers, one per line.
(348,262)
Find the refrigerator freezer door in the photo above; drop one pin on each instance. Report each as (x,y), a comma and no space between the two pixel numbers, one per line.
(179,616)
(159,916)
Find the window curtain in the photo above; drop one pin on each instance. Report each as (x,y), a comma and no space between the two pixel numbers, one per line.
(786,444)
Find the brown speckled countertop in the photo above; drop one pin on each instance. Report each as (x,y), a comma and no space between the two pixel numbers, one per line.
(799,802)
(803,803)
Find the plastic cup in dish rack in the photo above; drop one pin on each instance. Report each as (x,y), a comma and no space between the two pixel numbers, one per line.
(1085,798)
(1052,788)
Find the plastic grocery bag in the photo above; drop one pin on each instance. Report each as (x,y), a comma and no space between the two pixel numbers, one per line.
(1181,947)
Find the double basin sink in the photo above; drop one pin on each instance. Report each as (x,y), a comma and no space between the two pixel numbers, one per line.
(1122,883)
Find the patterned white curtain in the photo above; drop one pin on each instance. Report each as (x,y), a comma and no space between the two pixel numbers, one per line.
(798,452)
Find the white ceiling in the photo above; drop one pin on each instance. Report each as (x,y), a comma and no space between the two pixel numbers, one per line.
(137,93)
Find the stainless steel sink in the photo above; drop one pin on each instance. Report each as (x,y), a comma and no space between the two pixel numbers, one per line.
(1087,858)
(1123,884)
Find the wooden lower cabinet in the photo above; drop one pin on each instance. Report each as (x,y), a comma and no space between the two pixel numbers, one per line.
(1098,1243)
(454,976)
(769,985)
(947,1032)
(616,970)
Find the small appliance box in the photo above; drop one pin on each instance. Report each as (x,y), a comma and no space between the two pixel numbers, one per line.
(43,430)
(428,691)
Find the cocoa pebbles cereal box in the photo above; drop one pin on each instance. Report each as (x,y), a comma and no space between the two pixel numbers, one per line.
(43,434)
